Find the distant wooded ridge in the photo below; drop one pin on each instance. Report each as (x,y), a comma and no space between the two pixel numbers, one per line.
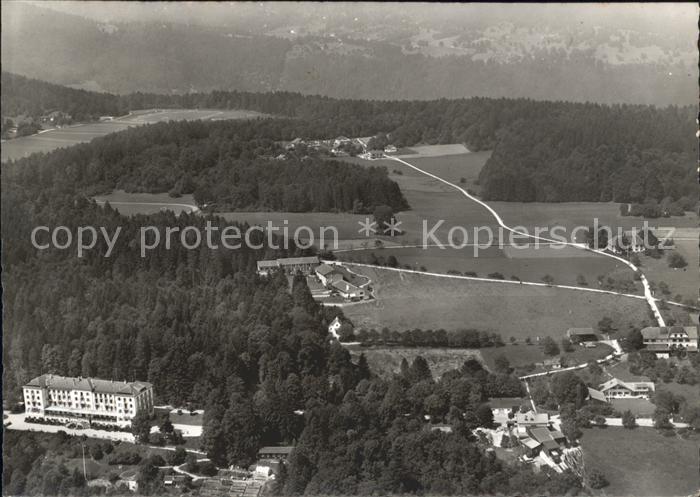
(542,151)
(381,56)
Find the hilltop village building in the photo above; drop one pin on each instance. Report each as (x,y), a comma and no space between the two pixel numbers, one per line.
(87,399)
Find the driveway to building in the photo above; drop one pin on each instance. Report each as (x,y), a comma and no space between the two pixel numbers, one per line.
(17,422)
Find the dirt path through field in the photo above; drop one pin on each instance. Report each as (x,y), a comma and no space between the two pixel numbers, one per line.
(647,289)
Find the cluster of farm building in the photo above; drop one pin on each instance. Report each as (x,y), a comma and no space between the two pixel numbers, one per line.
(324,280)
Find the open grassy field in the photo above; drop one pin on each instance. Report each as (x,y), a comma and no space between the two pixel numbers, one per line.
(434,202)
(146,203)
(435,150)
(683,281)
(406,301)
(386,361)
(150,116)
(71,135)
(563,265)
(454,168)
(642,462)
(440,150)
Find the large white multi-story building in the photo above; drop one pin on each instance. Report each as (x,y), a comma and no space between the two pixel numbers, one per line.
(663,340)
(87,399)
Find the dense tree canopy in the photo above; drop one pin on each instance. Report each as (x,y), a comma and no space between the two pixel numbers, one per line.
(25,96)
(227,164)
(543,151)
(594,153)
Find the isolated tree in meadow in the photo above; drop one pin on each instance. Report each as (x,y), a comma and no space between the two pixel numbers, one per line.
(676,260)
(596,479)
(605,325)
(548,279)
(581,280)
(549,346)
(628,420)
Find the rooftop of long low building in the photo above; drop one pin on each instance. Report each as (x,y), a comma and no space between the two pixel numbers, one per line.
(96,385)
(287,261)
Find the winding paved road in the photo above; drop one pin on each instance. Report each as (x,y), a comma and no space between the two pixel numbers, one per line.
(647,289)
